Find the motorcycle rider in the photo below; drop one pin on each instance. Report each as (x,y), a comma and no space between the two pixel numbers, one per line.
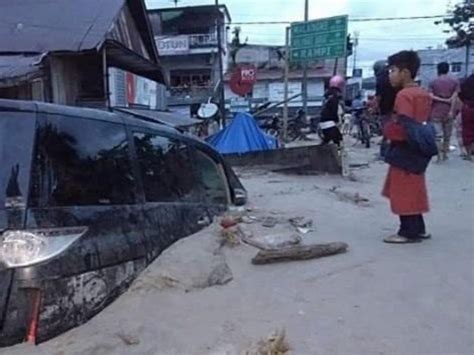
(332,111)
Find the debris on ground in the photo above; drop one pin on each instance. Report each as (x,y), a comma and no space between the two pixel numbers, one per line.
(301,224)
(299,252)
(269,222)
(229,221)
(271,242)
(230,236)
(275,344)
(352,177)
(359,165)
(346,196)
(128,339)
(249,219)
(236,211)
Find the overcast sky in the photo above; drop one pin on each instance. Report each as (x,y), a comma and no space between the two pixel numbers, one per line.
(377,39)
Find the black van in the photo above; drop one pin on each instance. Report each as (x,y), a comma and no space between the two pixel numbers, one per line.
(88,199)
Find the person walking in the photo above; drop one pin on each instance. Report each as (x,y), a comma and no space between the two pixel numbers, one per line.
(443,92)
(406,190)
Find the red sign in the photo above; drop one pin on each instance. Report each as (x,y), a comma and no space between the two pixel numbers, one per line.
(243,79)
(248,75)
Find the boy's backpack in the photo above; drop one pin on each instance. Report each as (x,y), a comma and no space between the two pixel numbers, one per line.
(414,154)
(420,136)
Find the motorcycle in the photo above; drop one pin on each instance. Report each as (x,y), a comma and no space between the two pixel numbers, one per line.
(295,128)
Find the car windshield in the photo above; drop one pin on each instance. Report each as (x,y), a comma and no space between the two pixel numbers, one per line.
(16,141)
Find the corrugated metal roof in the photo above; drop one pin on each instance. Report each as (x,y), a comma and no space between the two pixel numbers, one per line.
(55,25)
(166,118)
(17,66)
(45,26)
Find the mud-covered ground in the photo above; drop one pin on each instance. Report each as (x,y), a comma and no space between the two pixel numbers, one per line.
(198,298)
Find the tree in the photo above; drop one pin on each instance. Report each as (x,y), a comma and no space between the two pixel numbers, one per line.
(461,20)
(236,44)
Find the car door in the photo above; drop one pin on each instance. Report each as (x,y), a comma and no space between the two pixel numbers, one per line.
(212,180)
(173,205)
(82,176)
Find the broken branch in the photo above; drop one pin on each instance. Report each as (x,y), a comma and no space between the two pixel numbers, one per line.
(304,252)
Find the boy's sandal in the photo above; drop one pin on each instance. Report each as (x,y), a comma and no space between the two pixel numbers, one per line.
(398,239)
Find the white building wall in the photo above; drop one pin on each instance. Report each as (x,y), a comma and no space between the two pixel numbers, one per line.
(430,58)
(126,89)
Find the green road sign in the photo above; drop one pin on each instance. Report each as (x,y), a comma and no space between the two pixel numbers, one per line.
(318,39)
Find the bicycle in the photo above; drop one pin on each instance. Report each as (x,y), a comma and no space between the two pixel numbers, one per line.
(363,128)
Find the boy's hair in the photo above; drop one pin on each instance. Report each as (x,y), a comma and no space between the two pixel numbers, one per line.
(443,68)
(406,60)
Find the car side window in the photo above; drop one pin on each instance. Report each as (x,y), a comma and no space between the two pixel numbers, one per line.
(166,169)
(212,180)
(80,161)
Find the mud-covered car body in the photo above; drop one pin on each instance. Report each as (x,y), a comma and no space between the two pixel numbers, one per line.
(88,199)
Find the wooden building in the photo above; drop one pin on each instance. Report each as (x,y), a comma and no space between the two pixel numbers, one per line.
(61,51)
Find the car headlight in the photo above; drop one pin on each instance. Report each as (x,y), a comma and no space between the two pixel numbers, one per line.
(27,247)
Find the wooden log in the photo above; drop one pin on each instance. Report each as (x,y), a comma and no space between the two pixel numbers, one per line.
(300,252)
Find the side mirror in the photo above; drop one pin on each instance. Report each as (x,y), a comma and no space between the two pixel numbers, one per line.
(240,197)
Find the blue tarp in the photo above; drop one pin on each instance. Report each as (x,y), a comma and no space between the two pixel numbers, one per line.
(241,136)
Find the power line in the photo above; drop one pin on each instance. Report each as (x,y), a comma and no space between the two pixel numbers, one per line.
(375,38)
(362,19)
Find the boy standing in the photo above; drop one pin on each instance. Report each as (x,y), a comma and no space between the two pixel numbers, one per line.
(406,191)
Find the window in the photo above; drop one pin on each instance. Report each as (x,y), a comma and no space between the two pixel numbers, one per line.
(16,136)
(456,67)
(212,180)
(191,78)
(166,169)
(81,162)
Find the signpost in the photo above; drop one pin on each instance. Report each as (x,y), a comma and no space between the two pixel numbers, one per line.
(312,41)
(239,104)
(318,39)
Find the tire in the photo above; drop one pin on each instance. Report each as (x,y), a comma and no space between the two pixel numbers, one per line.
(273,132)
(366,134)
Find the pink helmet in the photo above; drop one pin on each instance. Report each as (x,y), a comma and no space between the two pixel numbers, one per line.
(337,81)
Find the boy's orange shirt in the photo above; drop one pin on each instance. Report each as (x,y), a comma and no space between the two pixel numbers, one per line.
(413,102)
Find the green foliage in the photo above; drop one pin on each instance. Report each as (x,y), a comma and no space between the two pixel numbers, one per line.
(460,19)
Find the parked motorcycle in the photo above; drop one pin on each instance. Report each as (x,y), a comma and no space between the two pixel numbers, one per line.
(296,125)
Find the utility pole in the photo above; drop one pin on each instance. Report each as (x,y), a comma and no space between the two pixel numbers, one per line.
(356,43)
(287,69)
(221,67)
(304,86)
